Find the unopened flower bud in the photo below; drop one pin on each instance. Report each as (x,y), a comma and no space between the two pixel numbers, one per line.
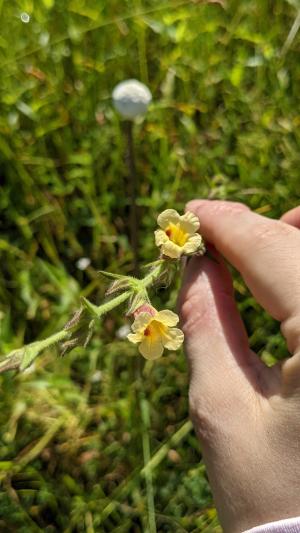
(144,308)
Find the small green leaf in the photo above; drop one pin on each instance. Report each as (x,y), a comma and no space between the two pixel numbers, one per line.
(89,306)
(121,282)
(110,275)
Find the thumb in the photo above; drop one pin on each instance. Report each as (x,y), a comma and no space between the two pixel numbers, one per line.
(216,341)
(292,217)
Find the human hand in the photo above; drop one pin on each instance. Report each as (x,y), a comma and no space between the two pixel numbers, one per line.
(247,416)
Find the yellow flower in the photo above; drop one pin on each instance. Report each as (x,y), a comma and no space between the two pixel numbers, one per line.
(153,330)
(178,234)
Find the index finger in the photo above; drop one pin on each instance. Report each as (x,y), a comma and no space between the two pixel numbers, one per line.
(266,252)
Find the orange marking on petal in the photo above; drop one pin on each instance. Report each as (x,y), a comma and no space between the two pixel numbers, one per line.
(168,232)
(147,332)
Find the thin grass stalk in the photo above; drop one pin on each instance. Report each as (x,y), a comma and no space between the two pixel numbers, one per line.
(147,457)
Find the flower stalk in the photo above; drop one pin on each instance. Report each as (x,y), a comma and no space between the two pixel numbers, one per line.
(23,357)
(152,330)
(132,178)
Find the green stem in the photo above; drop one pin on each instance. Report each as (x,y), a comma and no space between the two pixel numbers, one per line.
(54,339)
(23,357)
(152,276)
(117,300)
(15,359)
(111,304)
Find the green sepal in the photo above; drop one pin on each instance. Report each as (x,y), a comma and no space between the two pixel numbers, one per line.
(137,300)
(118,285)
(165,279)
(111,275)
(153,264)
(80,327)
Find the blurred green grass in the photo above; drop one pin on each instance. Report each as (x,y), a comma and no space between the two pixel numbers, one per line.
(78,433)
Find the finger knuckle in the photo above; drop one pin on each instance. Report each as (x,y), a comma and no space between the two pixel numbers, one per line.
(221,207)
(270,232)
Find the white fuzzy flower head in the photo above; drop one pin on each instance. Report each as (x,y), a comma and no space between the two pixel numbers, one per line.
(131,98)
(83,263)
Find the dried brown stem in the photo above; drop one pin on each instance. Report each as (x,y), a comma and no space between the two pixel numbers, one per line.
(132,177)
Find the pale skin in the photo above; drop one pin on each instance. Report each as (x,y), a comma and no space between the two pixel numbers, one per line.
(247,416)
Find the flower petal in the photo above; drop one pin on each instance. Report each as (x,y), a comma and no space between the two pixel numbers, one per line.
(151,349)
(189,222)
(173,339)
(167,216)
(135,337)
(160,237)
(193,244)
(141,322)
(170,249)
(168,318)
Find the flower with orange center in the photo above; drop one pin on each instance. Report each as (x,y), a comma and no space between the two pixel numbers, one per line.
(178,234)
(153,331)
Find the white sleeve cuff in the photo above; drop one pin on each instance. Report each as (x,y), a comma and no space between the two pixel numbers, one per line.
(290,525)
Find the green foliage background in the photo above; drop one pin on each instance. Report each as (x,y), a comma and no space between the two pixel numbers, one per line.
(91,442)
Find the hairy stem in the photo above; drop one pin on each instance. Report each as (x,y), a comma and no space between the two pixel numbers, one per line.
(24,356)
(15,358)
(111,304)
